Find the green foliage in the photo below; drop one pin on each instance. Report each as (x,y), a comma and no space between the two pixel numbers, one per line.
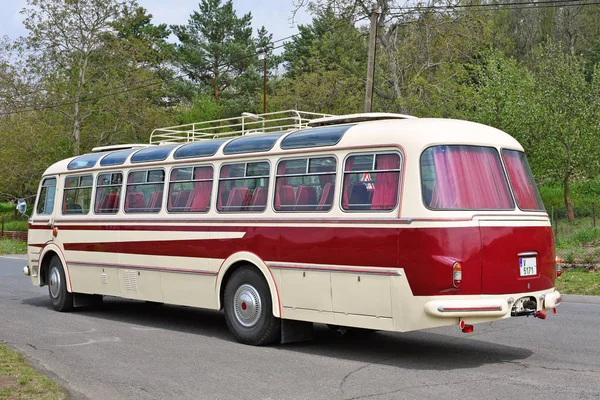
(578,281)
(216,48)
(204,108)
(9,246)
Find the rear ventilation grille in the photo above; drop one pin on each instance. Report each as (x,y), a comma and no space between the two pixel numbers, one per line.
(104,278)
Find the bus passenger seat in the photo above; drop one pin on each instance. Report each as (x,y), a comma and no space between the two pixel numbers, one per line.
(358,198)
(287,198)
(135,201)
(306,199)
(155,201)
(326,197)
(238,198)
(109,203)
(181,200)
(259,199)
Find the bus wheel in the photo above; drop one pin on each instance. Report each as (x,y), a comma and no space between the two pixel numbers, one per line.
(61,299)
(248,308)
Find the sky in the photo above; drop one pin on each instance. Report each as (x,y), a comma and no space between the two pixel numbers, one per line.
(275,15)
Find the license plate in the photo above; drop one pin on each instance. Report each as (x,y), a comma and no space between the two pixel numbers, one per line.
(528,266)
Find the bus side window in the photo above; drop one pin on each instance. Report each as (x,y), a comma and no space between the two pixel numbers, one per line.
(243,187)
(77,195)
(305,184)
(371,182)
(190,189)
(108,193)
(144,191)
(45,203)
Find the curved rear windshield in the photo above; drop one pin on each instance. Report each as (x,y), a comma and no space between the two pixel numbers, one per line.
(521,180)
(464,178)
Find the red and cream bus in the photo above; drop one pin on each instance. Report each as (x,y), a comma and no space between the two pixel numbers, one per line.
(376,221)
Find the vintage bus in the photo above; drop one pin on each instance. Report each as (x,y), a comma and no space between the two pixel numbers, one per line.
(374,221)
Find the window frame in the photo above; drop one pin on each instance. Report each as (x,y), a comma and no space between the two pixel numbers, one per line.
(147,171)
(65,188)
(41,187)
(375,153)
(212,189)
(219,179)
(96,187)
(510,184)
(504,172)
(307,158)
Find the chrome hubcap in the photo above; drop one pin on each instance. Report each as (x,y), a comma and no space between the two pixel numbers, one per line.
(247,305)
(54,282)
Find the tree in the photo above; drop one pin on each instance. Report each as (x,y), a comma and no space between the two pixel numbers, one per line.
(568,117)
(67,34)
(216,48)
(325,67)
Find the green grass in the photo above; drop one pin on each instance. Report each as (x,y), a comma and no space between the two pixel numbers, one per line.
(15,225)
(9,246)
(12,222)
(578,281)
(29,384)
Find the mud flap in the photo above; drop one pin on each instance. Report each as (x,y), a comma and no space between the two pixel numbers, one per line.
(85,300)
(296,331)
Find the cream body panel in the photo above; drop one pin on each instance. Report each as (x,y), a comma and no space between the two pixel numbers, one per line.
(309,290)
(361,294)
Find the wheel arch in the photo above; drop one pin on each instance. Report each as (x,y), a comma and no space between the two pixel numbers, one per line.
(50,251)
(237,260)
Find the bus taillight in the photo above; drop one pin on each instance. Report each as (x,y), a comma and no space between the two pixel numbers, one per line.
(456,275)
(558,266)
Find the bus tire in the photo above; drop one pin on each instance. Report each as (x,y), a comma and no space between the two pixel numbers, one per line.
(248,308)
(61,299)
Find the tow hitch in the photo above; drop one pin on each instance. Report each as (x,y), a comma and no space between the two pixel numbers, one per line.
(540,314)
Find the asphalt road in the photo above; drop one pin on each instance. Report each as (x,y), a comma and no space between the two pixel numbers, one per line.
(132,350)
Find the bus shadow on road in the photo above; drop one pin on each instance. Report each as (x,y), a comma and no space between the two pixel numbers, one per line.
(422,350)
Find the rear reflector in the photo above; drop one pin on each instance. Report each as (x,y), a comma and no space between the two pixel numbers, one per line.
(456,275)
(468,329)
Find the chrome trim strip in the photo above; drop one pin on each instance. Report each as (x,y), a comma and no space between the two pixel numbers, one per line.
(145,268)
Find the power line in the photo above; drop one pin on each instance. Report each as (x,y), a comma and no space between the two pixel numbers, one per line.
(84,100)
(499,6)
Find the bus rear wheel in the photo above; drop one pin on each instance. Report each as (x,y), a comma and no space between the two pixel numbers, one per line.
(61,299)
(248,308)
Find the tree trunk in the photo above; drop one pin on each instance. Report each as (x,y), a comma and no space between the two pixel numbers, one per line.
(568,203)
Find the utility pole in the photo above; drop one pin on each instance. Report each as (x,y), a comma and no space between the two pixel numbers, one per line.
(371,62)
(263,56)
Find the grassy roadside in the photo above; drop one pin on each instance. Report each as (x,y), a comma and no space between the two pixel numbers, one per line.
(579,281)
(19,381)
(9,246)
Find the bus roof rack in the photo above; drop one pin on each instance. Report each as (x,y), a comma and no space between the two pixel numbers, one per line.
(245,124)
(118,147)
(352,118)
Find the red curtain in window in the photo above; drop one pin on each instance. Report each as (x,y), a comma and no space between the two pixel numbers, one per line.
(202,190)
(222,188)
(386,187)
(525,191)
(346,187)
(279,183)
(469,177)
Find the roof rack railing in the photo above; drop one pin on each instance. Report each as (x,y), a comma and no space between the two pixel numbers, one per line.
(245,124)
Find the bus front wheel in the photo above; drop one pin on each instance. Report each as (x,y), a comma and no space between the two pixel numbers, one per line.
(61,299)
(248,308)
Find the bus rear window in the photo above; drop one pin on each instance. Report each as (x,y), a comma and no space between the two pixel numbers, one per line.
(521,180)
(464,178)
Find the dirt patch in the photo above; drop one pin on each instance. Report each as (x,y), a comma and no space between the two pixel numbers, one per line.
(8,381)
